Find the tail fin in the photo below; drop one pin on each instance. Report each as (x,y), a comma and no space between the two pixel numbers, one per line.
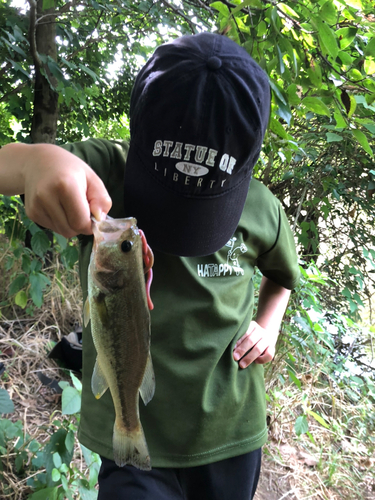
(130,447)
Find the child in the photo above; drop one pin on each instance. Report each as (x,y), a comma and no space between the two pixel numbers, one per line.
(199,112)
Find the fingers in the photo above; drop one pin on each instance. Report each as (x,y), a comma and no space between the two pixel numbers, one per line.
(61,192)
(257,345)
(60,205)
(97,196)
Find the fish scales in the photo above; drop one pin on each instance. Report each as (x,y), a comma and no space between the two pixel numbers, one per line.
(120,323)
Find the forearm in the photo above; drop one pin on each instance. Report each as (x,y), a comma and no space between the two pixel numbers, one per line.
(12,162)
(60,189)
(272,303)
(258,343)
(17,160)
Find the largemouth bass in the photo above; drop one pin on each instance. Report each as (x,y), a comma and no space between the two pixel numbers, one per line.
(118,307)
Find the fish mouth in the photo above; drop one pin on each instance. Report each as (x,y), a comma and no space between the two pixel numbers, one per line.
(110,230)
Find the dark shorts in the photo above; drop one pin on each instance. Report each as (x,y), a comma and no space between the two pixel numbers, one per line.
(232,479)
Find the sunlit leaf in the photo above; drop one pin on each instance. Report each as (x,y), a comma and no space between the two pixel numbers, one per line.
(346,36)
(21,299)
(369,66)
(318,418)
(370,48)
(316,105)
(328,38)
(288,10)
(362,139)
(328,12)
(71,401)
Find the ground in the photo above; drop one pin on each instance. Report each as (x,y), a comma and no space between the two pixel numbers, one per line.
(290,471)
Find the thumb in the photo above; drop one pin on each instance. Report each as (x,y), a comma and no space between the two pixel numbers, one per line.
(97,196)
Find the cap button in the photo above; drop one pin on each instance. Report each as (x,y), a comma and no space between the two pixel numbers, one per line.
(214,63)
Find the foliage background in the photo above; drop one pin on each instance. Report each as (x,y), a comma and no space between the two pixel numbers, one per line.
(66,73)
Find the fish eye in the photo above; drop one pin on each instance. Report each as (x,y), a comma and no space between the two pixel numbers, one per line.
(126,246)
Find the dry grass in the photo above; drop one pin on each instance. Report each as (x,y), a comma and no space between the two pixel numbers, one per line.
(24,346)
(336,463)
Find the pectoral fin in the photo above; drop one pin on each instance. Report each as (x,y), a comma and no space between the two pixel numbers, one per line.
(147,388)
(98,381)
(86,312)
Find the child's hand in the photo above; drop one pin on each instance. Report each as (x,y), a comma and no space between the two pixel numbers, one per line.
(261,342)
(61,191)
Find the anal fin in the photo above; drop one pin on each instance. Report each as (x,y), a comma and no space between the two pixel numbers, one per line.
(86,312)
(147,388)
(98,381)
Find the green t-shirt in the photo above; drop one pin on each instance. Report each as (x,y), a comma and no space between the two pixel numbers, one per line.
(205,407)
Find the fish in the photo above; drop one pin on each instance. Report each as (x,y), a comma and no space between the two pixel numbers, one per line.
(118,305)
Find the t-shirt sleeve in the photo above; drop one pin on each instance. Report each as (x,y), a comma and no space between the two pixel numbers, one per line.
(280,262)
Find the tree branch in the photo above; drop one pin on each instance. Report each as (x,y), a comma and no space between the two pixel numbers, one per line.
(32,32)
(181,14)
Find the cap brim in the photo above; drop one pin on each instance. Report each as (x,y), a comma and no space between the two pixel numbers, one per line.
(179,225)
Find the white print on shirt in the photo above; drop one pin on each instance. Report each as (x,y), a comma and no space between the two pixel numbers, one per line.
(194,162)
(232,265)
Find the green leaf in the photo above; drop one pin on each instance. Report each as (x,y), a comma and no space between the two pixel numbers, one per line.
(288,10)
(357,4)
(345,58)
(328,12)
(69,256)
(71,401)
(38,283)
(281,62)
(220,7)
(296,381)
(362,139)
(6,404)
(316,105)
(19,68)
(370,48)
(56,460)
(76,382)
(40,243)
(262,29)
(277,128)
(346,36)
(332,137)
(56,444)
(61,241)
(278,91)
(246,3)
(284,111)
(69,441)
(340,122)
(293,97)
(45,494)
(17,284)
(55,474)
(327,38)
(288,175)
(88,71)
(369,66)
(318,418)
(301,425)
(21,299)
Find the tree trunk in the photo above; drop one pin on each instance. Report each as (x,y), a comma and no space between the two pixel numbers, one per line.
(43,43)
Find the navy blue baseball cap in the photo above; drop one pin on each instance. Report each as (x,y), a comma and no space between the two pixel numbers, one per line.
(198,114)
